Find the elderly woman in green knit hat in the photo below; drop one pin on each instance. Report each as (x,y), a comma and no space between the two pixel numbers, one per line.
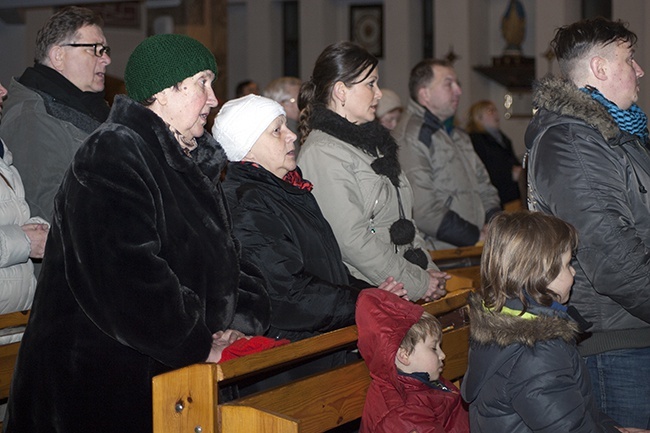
(142,273)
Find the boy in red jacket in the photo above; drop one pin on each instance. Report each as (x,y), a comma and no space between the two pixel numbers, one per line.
(400,344)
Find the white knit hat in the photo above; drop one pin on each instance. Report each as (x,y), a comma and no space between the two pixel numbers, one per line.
(241,121)
(388,102)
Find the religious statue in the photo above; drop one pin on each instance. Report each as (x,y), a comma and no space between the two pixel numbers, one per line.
(513,28)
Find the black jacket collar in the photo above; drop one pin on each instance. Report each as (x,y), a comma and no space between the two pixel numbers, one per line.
(370,137)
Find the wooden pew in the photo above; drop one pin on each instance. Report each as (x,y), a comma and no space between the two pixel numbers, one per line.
(9,352)
(186,400)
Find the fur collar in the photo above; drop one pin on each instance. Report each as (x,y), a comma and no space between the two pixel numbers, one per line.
(370,137)
(208,156)
(504,330)
(573,103)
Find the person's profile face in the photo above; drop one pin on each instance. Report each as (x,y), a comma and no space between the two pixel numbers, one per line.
(427,357)
(390,119)
(362,98)
(290,104)
(622,86)
(561,285)
(275,148)
(188,107)
(80,65)
(489,118)
(442,95)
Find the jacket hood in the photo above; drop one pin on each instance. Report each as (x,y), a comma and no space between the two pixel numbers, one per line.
(573,103)
(500,336)
(383,319)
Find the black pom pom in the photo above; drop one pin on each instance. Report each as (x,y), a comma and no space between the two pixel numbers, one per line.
(417,257)
(402,232)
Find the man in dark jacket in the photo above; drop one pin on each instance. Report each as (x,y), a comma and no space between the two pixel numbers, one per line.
(57,103)
(588,164)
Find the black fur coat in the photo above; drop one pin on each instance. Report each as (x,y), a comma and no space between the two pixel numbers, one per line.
(140,270)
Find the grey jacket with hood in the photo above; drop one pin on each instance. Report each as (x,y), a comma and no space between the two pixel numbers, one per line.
(583,169)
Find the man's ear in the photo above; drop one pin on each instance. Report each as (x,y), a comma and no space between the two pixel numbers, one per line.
(598,66)
(402,356)
(56,56)
(423,95)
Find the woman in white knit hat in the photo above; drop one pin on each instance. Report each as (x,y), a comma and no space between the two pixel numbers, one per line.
(282,230)
(279,223)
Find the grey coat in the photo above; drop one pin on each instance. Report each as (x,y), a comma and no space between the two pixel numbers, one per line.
(361,205)
(43,145)
(452,193)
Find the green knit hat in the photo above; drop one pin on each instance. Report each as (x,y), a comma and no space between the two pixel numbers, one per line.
(161,61)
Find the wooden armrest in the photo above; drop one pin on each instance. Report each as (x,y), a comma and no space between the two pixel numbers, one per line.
(8,355)
(469,277)
(321,344)
(456,253)
(277,356)
(186,398)
(11,320)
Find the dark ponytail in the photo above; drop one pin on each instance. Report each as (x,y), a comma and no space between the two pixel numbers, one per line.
(343,61)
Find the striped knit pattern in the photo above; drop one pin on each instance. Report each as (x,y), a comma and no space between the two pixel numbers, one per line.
(633,120)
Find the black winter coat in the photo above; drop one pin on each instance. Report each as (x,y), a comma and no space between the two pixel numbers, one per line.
(282,229)
(583,169)
(499,161)
(140,270)
(526,375)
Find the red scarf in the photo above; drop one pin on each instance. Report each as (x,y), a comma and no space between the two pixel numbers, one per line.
(295,179)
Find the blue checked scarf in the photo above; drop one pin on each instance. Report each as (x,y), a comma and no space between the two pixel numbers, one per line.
(633,120)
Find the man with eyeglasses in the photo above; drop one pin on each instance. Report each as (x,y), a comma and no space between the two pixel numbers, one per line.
(57,103)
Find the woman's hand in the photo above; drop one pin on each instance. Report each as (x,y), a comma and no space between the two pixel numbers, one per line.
(37,234)
(221,340)
(437,285)
(390,285)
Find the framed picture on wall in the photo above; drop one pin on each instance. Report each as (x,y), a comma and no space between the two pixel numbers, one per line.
(367,27)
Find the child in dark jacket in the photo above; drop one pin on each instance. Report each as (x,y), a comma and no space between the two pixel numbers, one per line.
(400,343)
(525,373)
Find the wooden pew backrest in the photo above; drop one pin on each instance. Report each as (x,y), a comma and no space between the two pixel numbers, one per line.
(9,352)
(323,401)
(187,398)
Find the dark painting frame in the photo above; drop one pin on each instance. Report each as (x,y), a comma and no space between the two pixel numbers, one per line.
(367,27)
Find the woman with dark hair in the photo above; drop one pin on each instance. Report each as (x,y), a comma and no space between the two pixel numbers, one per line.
(361,188)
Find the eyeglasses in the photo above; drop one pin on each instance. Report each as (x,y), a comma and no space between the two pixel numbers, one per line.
(99,49)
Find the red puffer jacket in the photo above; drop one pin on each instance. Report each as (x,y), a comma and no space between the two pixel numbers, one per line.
(397,403)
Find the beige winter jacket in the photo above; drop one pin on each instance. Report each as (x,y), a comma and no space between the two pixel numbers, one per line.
(361,205)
